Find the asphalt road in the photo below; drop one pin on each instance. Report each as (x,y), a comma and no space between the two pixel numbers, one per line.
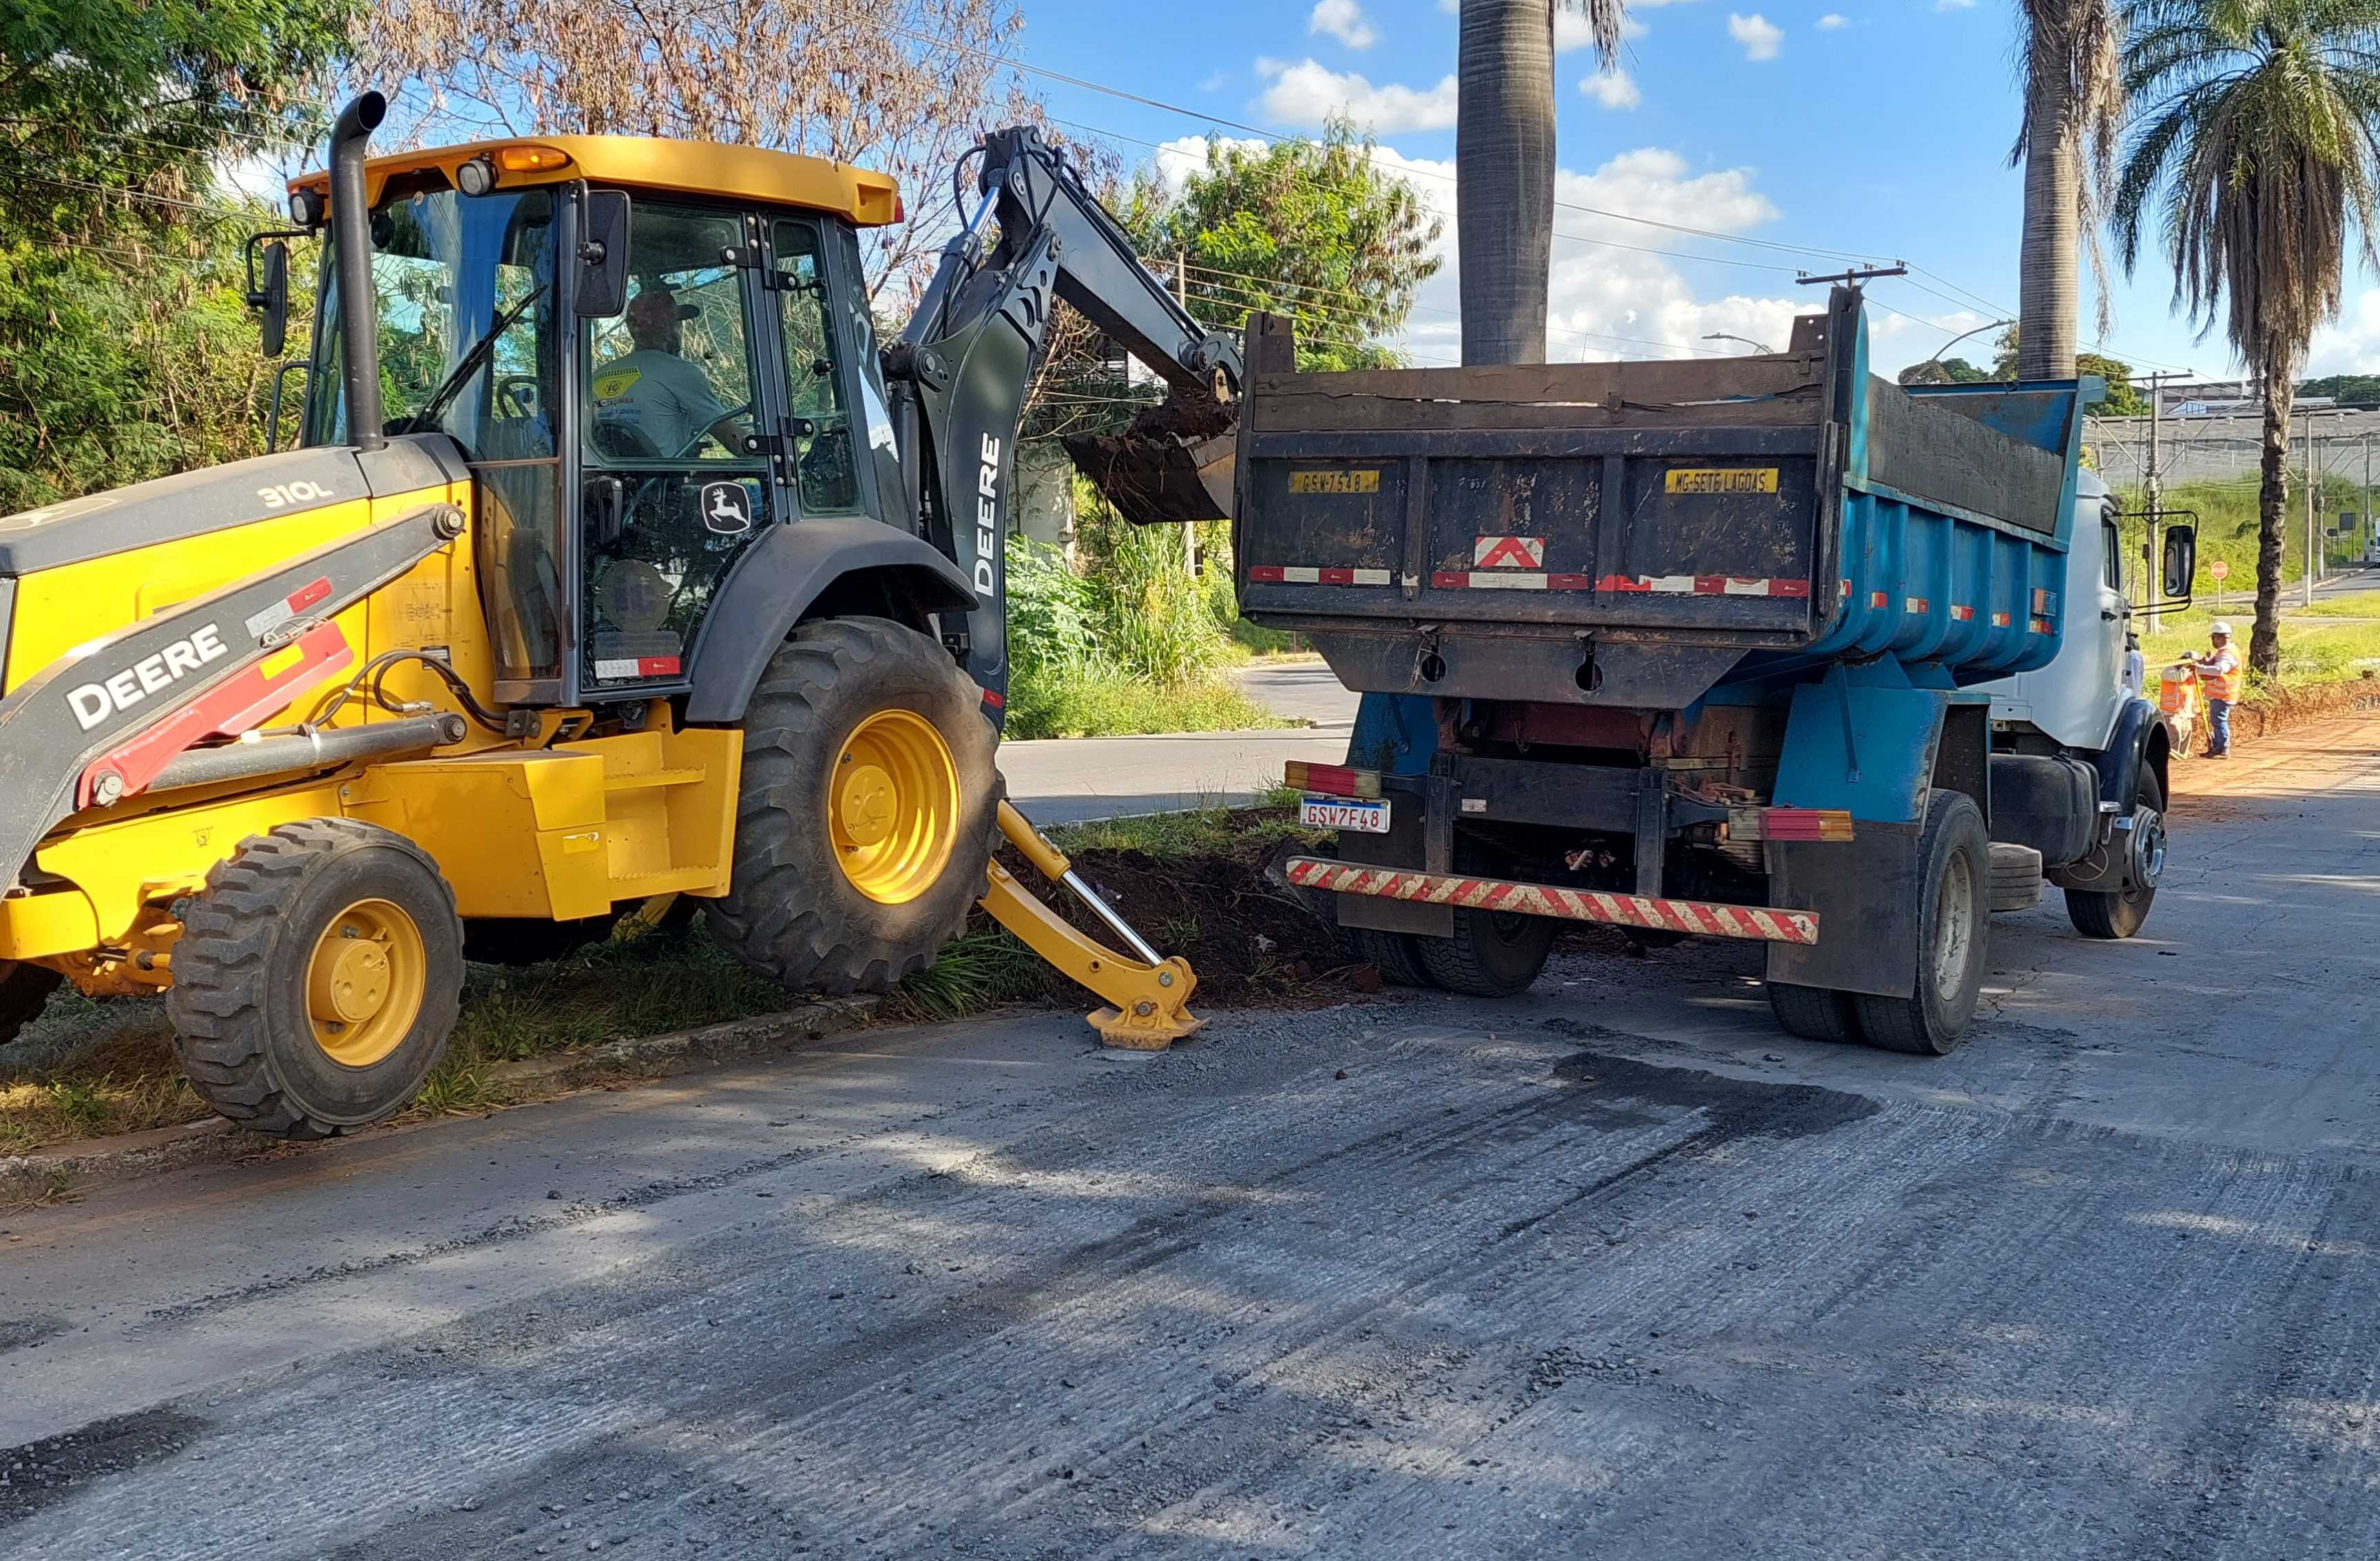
(1615,1269)
(1068,779)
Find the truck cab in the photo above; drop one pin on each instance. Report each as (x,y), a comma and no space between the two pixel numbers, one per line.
(2078,698)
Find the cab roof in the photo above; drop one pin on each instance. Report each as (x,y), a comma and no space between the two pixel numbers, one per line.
(744,173)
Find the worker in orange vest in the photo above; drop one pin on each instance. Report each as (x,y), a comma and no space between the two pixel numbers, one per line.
(2223,679)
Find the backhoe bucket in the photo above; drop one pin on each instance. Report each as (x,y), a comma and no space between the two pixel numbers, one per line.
(1151,477)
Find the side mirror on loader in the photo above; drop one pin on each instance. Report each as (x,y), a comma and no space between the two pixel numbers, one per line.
(2181,564)
(602,253)
(270,297)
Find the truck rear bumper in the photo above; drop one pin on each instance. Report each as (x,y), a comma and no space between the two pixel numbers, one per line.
(1761,924)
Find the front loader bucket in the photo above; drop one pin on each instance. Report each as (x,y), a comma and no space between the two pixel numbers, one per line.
(1159,476)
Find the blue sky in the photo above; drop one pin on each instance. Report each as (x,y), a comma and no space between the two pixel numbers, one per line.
(1875,131)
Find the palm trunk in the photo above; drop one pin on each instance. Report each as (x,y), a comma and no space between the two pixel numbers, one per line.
(2272,519)
(2046,299)
(1504,177)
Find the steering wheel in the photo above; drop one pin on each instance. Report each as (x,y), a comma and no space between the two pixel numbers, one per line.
(517,394)
(704,432)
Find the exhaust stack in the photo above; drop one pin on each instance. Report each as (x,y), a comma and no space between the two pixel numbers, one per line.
(351,240)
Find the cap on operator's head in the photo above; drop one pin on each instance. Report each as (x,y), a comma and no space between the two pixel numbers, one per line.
(658,305)
(2219,627)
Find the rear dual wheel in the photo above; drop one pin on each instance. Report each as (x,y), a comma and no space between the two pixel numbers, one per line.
(317,978)
(1954,858)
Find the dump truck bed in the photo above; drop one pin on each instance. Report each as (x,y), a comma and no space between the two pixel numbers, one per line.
(1635,533)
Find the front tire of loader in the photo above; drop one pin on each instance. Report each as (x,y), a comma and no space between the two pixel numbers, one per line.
(871,790)
(317,978)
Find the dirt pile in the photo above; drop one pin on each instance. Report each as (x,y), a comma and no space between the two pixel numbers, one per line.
(1247,940)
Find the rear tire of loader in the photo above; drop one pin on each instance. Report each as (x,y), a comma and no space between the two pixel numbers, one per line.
(24,992)
(871,790)
(317,978)
(1492,953)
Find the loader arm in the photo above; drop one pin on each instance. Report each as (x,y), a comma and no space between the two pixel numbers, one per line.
(959,376)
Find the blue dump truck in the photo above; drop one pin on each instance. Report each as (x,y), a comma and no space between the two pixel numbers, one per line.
(1761,647)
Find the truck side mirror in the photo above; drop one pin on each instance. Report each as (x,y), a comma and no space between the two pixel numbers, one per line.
(2180,560)
(602,254)
(270,297)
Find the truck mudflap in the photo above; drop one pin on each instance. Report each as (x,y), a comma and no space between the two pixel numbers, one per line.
(1758,923)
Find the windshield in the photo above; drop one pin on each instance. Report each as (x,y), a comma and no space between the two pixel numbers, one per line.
(446,269)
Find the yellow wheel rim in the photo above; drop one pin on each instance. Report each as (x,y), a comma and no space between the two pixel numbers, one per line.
(893,807)
(365,983)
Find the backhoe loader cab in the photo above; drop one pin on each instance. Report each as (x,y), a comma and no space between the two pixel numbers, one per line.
(647,354)
(611,564)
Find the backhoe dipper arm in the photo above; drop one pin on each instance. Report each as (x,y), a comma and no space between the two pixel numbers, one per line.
(959,375)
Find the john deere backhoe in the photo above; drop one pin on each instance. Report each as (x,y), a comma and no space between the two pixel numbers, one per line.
(612,561)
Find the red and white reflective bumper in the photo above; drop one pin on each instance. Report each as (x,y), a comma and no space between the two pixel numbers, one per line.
(1760,922)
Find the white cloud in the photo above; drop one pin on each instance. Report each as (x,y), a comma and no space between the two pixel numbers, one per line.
(1215,82)
(1342,19)
(1832,20)
(1178,158)
(1308,93)
(1613,88)
(1953,5)
(1759,36)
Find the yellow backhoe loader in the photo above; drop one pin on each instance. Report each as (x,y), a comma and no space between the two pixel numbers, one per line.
(612,561)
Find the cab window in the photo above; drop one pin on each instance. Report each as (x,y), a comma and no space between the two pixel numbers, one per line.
(825,457)
(2112,542)
(670,496)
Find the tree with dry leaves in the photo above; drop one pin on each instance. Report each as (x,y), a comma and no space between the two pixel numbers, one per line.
(899,86)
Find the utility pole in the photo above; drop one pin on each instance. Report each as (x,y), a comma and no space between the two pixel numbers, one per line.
(2308,600)
(1182,296)
(2368,526)
(2153,490)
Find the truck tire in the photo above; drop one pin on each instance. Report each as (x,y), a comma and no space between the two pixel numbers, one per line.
(1395,955)
(2016,876)
(317,978)
(1814,1014)
(1953,923)
(2117,913)
(24,992)
(1492,953)
(871,795)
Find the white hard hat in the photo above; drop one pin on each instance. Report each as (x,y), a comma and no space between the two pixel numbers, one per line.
(2219,627)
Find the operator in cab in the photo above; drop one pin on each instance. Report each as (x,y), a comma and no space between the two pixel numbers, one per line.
(655,394)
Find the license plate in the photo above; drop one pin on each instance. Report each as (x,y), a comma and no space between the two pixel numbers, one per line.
(1339,813)
(1721,480)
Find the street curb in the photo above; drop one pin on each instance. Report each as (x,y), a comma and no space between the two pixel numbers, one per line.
(132,1156)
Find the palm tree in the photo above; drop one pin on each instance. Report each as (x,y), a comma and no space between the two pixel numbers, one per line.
(2258,146)
(2071,52)
(1504,168)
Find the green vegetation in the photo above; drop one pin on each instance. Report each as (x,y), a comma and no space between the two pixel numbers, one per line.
(1126,641)
(1315,230)
(128,352)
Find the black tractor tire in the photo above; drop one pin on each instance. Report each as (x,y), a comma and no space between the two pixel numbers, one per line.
(1954,910)
(2016,877)
(1492,953)
(1396,955)
(1814,1014)
(2117,912)
(532,941)
(24,991)
(245,979)
(792,912)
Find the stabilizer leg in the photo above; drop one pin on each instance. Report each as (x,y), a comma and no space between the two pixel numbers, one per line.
(1150,997)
